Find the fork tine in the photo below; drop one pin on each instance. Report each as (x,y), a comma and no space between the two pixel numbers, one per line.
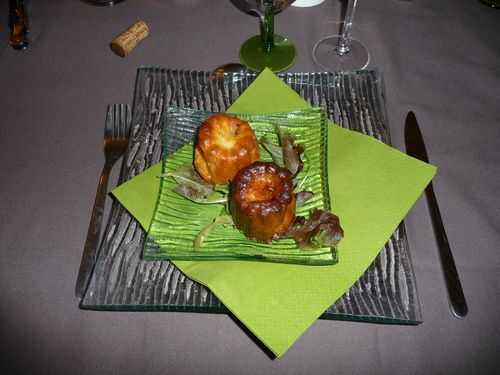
(128,121)
(117,121)
(123,120)
(108,127)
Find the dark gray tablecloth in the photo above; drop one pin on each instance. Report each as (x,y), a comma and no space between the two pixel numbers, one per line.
(440,59)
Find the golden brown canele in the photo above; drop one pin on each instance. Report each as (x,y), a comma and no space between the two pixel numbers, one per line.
(262,201)
(225,145)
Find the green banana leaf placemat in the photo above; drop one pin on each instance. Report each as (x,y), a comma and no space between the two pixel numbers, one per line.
(178,221)
(372,187)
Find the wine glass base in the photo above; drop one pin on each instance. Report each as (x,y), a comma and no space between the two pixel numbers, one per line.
(326,56)
(103,2)
(281,57)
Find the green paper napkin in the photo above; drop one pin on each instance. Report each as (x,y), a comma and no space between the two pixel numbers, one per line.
(372,187)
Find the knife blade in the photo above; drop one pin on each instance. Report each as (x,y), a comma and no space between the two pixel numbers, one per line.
(415,147)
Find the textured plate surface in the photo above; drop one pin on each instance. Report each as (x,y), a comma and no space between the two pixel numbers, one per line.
(121,280)
(177,221)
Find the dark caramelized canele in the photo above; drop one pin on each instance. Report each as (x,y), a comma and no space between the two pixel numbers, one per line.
(262,200)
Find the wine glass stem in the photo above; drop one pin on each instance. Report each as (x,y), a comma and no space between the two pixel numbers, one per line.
(343,44)
(267,26)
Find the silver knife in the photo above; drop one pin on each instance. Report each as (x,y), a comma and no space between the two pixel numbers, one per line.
(415,147)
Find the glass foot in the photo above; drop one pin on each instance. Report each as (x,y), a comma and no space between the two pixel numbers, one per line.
(492,3)
(103,2)
(325,54)
(281,57)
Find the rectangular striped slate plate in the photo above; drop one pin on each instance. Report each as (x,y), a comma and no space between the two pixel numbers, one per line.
(123,281)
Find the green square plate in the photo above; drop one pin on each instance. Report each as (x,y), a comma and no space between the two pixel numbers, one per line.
(177,220)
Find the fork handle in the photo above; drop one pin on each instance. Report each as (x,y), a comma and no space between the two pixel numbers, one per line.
(93,234)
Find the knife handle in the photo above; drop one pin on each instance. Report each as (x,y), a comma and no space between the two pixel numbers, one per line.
(458,304)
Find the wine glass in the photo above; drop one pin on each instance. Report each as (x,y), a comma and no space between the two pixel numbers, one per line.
(268,49)
(341,52)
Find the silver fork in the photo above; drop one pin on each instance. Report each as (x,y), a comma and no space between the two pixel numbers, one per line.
(116,136)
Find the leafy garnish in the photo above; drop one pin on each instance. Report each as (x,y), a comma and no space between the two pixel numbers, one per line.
(205,232)
(224,189)
(287,154)
(190,185)
(321,229)
(194,196)
(307,167)
(274,150)
(302,197)
(291,151)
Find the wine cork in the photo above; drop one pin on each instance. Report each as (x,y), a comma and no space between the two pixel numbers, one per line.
(124,43)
